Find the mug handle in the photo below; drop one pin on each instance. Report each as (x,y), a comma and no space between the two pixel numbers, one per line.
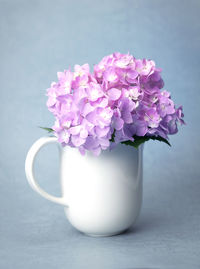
(29,168)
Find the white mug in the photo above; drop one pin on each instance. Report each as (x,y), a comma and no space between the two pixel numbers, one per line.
(101,195)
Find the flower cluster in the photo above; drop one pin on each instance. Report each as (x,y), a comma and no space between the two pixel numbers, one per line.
(121,99)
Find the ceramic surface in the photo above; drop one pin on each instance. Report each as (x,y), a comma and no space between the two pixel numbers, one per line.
(101,195)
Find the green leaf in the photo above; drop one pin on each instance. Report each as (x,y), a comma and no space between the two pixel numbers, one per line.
(49,130)
(161,139)
(113,137)
(138,140)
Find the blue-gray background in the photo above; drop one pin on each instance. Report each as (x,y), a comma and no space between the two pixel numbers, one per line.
(39,38)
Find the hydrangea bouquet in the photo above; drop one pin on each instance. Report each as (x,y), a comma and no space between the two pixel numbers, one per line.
(120,102)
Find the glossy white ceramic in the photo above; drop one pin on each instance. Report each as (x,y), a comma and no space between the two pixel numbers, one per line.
(101,195)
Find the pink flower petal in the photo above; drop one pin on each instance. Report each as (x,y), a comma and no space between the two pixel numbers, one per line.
(77,140)
(114,94)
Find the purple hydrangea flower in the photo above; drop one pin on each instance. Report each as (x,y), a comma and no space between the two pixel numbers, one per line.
(122,96)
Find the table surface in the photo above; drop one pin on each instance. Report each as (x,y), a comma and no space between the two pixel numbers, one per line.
(38,38)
